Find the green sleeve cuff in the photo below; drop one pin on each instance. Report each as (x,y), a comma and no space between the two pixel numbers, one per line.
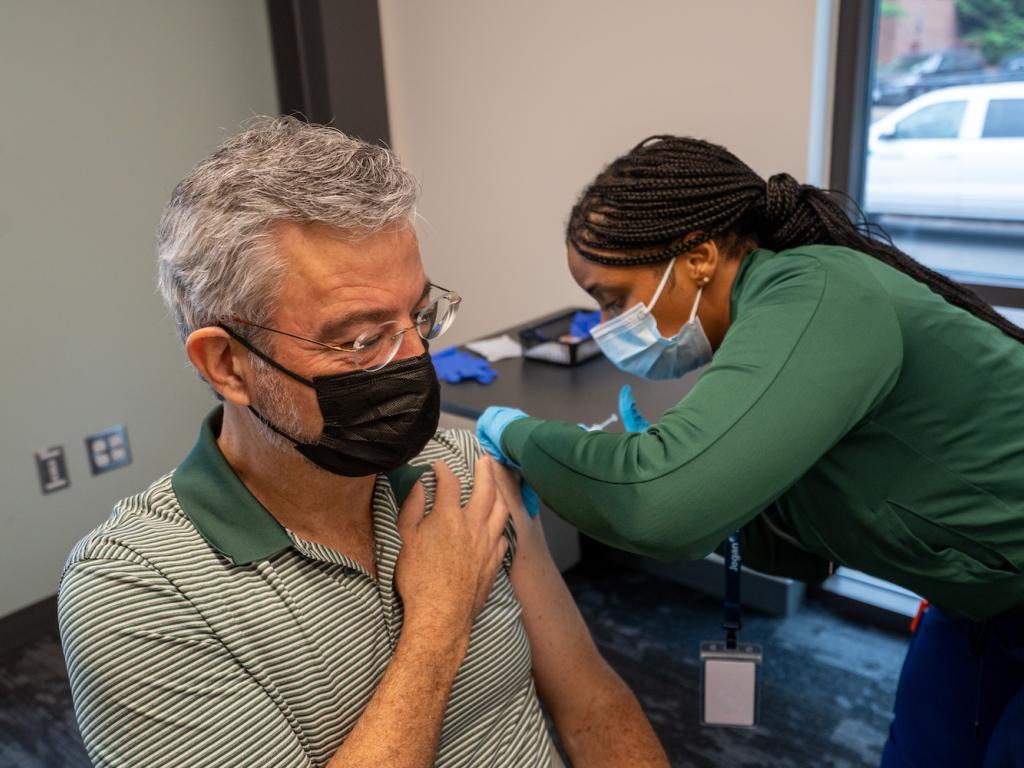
(516,435)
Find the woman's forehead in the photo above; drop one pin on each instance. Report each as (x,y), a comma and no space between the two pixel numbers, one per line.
(589,274)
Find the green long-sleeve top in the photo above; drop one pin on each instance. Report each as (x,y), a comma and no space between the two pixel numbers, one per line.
(887,424)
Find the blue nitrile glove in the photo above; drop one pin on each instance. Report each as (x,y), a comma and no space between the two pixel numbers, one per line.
(491,425)
(454,365)
(632,419)
(530,499)
(582,322)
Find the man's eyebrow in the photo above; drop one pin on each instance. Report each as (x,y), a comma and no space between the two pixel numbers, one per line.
(332,328)
(335,326)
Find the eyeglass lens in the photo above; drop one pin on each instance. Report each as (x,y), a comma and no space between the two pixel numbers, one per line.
(376,348)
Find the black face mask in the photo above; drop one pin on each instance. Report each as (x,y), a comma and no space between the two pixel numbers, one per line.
(374,421)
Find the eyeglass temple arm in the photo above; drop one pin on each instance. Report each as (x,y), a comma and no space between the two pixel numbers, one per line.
(291,335)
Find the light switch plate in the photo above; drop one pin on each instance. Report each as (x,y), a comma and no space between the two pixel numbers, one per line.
(53,469)
(108,450)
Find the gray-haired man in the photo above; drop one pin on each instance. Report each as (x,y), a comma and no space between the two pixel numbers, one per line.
(281,598)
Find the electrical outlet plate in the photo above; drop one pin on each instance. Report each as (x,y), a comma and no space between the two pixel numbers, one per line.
(108,450)
(53,469)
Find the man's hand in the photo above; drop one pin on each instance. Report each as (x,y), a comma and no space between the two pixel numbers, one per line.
(445,571)
(529,531)
(450,557)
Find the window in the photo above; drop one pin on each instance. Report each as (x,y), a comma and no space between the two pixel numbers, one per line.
(955,204)
(937,121)
(1004,120)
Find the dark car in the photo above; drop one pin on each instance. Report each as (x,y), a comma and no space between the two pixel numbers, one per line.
(1012,63)
(917,73)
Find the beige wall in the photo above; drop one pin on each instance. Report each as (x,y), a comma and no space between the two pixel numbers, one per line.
(505,110)
(107,103)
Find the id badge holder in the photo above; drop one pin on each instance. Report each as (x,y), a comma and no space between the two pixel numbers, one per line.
(730,679)
(730,684)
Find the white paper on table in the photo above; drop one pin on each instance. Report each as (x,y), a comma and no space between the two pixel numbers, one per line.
(497,348)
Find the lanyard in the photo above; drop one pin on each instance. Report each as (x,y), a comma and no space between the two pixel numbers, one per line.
(732,620)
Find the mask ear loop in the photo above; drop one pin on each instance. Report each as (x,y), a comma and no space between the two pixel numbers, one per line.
(267,358)
(665,280)
(696,303)
(661,285)
(700,290)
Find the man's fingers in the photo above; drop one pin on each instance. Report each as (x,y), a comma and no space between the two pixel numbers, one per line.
(484,486)
(497,559)
(413,507)
(498,518)
(514,491)
(506,481)
(449,488)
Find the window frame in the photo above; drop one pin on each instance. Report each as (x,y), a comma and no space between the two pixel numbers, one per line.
(854,75)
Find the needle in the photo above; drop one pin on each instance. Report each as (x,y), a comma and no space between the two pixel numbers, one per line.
(610,420)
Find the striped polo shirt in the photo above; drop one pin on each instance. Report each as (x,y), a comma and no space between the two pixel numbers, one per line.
(199,631)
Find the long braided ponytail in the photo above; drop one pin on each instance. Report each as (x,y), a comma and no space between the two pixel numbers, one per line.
(648,204)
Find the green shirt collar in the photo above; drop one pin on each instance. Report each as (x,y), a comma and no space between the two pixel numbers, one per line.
(226,513)
(741,274)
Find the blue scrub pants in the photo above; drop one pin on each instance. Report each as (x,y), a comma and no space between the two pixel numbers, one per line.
(960,700)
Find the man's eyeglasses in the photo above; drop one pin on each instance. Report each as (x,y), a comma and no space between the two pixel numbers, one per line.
(375,347)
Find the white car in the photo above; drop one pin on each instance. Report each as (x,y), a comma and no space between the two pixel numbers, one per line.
(956,152)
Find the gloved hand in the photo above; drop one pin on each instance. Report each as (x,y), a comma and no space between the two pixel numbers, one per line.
(453,365)
(491,425)
(632,419)
(530,499)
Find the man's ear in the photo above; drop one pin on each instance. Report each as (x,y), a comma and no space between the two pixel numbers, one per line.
(223,365)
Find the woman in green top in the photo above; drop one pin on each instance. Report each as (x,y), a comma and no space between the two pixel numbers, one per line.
(859,409)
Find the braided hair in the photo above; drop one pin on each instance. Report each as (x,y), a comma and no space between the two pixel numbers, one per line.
(669,195)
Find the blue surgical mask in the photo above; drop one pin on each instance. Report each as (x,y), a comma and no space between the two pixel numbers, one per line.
(633,342)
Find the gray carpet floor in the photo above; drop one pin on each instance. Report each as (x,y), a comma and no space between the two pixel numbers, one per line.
(828,683)
(827,694)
